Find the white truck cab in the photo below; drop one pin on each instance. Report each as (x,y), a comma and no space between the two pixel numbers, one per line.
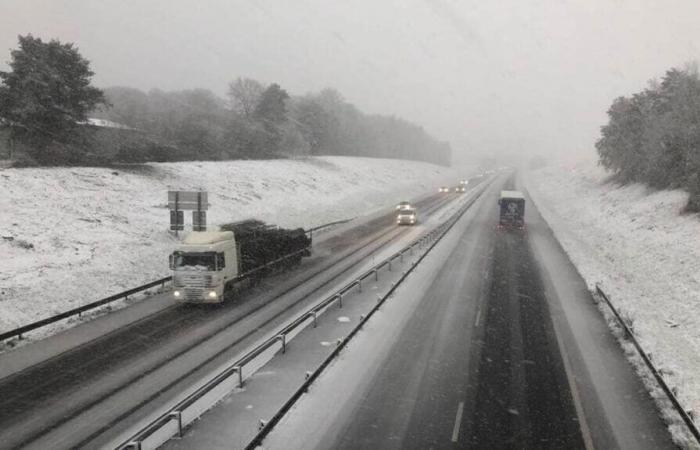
(203,265)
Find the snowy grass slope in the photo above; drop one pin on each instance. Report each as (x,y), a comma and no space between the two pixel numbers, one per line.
(646,255)
(69,236)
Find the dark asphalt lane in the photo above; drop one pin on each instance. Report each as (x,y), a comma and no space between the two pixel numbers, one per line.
(522,394)
(505,348)
(415,398)
(617,407)
(478,365)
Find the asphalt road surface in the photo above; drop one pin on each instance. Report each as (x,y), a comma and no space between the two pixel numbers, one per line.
(481,364)
(521,395)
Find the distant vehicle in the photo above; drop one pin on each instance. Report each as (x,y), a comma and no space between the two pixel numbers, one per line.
(403,205)
(512,209)
(406,217)
(460,189)
(464,182)
(444,189)
(209,263)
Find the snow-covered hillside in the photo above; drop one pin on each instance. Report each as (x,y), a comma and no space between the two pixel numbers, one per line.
(69,236)
(646,255)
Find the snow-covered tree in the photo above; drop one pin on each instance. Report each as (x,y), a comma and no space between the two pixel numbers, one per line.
(45,96)
(653,137)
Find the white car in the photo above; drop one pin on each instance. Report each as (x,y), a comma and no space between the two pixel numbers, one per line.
(406,217)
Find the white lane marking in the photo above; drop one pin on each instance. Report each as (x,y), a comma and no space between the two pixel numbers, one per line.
(458,422)
(478,315)
(575,395)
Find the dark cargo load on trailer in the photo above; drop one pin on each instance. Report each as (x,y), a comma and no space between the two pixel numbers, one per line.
(512,209)
(260,243)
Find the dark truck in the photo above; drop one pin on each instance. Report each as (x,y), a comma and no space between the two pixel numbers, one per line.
(260,243)
(512,209)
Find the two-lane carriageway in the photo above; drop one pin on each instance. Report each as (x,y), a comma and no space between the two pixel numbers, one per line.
(83,396)
(495,343)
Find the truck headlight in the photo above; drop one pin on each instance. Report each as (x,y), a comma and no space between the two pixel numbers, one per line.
(176,293)
(212,294)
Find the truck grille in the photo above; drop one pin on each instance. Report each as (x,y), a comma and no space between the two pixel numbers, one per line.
(193,286)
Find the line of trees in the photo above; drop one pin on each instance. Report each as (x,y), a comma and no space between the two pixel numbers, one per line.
(47,97)
(653,136)
(258,121)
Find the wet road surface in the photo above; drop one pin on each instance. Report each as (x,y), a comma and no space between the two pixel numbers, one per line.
(480,364)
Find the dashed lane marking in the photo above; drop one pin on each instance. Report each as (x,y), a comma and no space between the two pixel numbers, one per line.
(458,422)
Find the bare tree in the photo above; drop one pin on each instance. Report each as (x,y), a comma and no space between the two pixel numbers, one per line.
(245,95)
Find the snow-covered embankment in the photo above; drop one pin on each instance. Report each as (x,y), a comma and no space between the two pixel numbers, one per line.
(69,236)
(646,255)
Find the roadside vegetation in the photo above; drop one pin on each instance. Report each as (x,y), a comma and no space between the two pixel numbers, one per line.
(653,136)
(46,101)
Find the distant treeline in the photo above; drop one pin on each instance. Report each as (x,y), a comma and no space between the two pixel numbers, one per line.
(258,122)
(47,101)
(653,137)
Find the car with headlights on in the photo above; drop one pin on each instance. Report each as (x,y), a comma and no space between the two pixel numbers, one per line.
(406,217)
(444,189)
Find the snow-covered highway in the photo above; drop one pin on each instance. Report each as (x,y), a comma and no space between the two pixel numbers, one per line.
(101,388)
(494,340)
(497,344)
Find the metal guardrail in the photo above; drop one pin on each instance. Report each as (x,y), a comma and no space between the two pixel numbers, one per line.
(330,224)
(19,332)
(257,441)
(173,421)
(659,379)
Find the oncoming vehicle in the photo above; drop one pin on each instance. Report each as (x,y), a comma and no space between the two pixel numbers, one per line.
(460,189)
(512,210)
(443,189)
(208,264)
(406,217)
(202,265)
(464,182)
(403,205)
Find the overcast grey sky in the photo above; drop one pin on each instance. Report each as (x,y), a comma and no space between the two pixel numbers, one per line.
(488,76)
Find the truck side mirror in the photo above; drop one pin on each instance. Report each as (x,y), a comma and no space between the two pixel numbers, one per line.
(172,261)
(499,201)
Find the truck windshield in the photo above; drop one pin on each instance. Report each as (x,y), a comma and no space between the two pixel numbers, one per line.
(407,212)
(197,261)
